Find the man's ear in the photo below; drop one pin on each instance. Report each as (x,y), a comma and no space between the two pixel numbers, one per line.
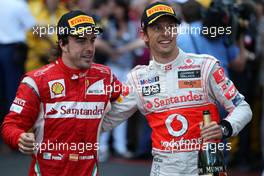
(143,35)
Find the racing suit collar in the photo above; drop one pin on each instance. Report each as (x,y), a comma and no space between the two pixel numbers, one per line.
(168,66)
(72,73)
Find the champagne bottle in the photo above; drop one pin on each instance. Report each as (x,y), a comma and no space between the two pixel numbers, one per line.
(210,158)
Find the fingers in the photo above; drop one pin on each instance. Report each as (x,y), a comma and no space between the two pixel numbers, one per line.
(211,137)
(211,132)
(26,143)
(25,150)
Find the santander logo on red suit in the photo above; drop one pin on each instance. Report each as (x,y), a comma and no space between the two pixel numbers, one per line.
(82,110)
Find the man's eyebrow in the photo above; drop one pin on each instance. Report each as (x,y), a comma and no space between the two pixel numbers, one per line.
(80,37)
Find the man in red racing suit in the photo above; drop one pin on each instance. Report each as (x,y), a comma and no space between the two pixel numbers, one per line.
(172,92)
(58,108)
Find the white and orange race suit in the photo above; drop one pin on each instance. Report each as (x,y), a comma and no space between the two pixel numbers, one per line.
(173,97)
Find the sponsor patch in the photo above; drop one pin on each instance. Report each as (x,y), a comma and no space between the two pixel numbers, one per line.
(149,80)
(159,8)
(190,97)
(168,67)
(225,85)
(58,157)
(189,74)
(151,90)
(17,105)
(187,67)
(231,92)
(16,108)
(19,101)
(57,88)
(190,84)
(80,19)
(73,157)
(219,75)
(46,156)
(88,157)
(188,61)
(237,100)
(81,110)
(97,88)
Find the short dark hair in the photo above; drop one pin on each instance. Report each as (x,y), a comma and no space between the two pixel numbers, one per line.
(57,51)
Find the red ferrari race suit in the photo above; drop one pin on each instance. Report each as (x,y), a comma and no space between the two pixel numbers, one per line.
(173,97)
(64,108)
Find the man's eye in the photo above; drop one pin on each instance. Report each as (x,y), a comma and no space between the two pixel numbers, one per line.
(93,39)
(155,27)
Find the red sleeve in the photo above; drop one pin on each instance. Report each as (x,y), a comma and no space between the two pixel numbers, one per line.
(116,88)
(22,115)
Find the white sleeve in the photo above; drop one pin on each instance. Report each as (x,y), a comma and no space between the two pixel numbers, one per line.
(122,108)
(26,19)
(224,91)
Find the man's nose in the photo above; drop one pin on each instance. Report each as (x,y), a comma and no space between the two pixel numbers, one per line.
(89,45)
(166,31)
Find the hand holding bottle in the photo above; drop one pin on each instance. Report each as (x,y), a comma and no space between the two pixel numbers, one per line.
(211,131)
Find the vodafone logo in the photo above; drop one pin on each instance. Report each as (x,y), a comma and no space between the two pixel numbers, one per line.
(188,61)
(148,105)
(181,119)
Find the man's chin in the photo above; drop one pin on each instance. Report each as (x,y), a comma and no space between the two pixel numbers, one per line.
(165,51)
(85,66)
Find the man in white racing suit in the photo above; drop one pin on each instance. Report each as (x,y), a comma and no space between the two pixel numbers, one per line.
(172,92)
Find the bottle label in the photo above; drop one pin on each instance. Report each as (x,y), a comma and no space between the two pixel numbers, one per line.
(213,169)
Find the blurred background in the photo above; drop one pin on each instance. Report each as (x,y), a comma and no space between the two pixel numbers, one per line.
(127,149)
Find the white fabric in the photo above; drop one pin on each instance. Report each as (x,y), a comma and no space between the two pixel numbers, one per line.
(16,19)
(184,164)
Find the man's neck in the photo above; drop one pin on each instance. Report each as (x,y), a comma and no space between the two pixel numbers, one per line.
(164,59)
(67,62)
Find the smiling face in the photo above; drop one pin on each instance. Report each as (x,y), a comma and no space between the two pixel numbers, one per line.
(78,53)
(160,39)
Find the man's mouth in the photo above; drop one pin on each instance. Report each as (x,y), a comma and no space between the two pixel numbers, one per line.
(165,41)
(87,57)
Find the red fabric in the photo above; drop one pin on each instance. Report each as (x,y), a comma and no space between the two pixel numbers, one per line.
(73,104)
(193,115)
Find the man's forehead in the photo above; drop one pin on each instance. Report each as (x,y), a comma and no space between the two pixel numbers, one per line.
(85,35)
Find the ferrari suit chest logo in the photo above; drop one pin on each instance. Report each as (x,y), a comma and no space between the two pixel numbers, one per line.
(96,88)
